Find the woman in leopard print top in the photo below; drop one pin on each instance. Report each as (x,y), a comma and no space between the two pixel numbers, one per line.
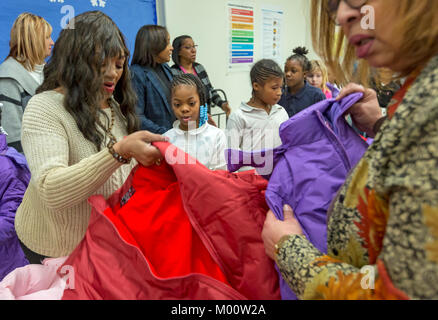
(383,223)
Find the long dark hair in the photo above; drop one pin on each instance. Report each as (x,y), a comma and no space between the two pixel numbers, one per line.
(177,44)
(75,65)
(149,42)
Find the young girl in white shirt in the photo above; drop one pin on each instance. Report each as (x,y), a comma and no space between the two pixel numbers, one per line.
(256,124)
(191,133)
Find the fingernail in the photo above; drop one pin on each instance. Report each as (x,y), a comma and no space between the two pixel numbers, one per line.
(286,207)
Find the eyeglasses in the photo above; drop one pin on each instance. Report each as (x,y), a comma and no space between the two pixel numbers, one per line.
(191,47)
(333,6)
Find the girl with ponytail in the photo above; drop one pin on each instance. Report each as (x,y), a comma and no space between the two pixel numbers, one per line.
(298,94)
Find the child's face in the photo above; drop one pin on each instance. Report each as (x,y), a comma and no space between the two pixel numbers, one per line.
(185,105)
(314,78)
(294,73)
(270,92)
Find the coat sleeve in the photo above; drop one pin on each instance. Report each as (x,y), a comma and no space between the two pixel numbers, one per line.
(140,89)
(11,195)
(406,266)
(12,109)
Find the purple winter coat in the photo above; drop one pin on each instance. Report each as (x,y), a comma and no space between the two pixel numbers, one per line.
(14,178)
(319,150)
(333,89)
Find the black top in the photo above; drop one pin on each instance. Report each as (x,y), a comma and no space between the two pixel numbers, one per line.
(165,82)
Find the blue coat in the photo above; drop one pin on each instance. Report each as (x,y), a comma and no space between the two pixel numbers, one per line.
(14,178)
(153,108)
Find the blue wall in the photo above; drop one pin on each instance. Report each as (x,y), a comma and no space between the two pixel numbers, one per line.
(129,15)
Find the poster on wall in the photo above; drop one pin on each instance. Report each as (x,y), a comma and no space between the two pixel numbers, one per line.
(271,25)
(241,35)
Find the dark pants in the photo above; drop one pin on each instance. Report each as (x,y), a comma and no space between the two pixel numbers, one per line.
(32,257)
(16,145)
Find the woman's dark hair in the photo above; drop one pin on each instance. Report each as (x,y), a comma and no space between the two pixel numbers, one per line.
(76,66)
(300,56)
(265,69)
(149,42)
(191,80)
(177,45)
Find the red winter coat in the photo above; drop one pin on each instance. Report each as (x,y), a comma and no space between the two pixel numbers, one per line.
(176,232)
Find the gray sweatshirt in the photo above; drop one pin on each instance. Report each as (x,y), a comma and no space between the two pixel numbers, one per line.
(17,86)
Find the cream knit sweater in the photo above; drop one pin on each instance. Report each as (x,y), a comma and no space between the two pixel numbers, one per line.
(66,170)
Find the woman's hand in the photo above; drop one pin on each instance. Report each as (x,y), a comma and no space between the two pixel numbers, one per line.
(366,111)
(226,107)
(211,121)
(138,146)
(274,229)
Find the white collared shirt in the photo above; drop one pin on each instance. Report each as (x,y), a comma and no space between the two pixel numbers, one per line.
(253,129)
(207,144)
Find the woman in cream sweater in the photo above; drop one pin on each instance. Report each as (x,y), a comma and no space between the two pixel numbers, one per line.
(73,136)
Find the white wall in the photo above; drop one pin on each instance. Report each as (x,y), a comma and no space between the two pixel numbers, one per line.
(206,22)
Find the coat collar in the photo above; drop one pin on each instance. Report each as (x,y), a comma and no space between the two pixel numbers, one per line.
(300,93)
(11,68)
(191,132)
(150,74)
(247,108)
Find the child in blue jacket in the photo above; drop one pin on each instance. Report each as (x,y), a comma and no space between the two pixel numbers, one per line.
(297,93)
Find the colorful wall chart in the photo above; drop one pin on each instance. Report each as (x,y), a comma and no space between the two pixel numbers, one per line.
(241,36)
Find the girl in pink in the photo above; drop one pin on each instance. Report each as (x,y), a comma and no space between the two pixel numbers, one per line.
(318,77)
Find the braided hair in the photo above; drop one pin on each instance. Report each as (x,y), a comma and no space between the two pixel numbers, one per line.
(191,80)
(300,56)
(264,70)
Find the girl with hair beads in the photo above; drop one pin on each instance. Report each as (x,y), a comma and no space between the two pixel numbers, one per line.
(318,77)
(298,94)
(191,132)
(255,125)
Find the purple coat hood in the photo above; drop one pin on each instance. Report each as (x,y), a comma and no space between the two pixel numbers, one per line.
(14,178)
(319,150)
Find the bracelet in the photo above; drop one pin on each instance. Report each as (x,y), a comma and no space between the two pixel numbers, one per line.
(378,124)
(117,156)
